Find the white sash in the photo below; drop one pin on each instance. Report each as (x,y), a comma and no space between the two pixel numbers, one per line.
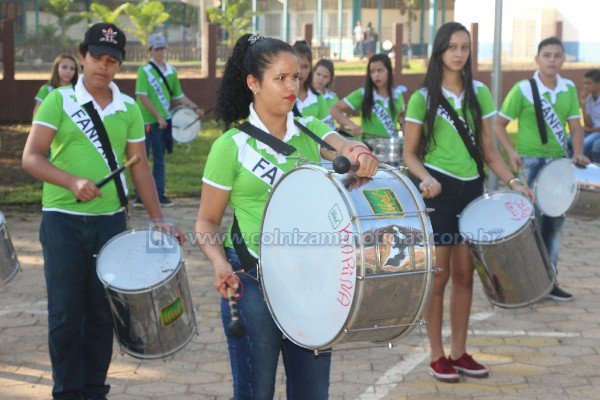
(255,163)
(86,126)
(553,122)
(154,82)
(385,119)
(442,113)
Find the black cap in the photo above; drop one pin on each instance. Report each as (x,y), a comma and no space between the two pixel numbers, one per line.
(103,38)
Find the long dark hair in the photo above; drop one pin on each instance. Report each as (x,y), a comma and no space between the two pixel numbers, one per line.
(368,100)
(433,84)
(252,55)
(55,78)
(303,50)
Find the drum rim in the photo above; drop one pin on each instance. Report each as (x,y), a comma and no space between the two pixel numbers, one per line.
(536,184)
(530,219)
(179,140)
(107,285)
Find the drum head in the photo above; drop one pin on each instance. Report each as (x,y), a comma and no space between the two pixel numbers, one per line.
(302,257)
(588,177)
(138,260)
(556,187)
(186,124)
(495,216)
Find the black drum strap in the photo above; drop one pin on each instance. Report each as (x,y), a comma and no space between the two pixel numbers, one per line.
(537,104)
(249,262)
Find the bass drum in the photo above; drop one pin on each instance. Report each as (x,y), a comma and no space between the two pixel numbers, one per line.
(146,284)
(345,259)
(186,124)
(555,187)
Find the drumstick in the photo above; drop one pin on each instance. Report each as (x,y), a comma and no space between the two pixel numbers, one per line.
(342,165)
(194,121)
(236,327)
(132,161)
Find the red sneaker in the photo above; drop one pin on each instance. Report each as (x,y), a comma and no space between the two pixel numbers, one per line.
(442,370)
(466,365)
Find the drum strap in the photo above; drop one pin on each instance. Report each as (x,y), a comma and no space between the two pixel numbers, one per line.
(537,104)
(107,149)
(162,76)
(545,114)
(249,262)
(467,137)
(296,111)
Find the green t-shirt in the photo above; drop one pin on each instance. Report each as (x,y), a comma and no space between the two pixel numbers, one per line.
(519,105)
(447,152)
(330,99)
(43,92)
(80,153)
(249,169)
(374,126)
(313,106)
(150,83)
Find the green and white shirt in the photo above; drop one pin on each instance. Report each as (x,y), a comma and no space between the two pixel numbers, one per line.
(518,104)
(447,152)
(249,169)
(330,99)
(375,125)
(76,148)
(314,105)
(149,83)
(43,92)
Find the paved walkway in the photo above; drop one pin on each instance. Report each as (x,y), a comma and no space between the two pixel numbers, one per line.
(548,351)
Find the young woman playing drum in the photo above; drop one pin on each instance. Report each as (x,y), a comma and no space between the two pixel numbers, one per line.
(309,102)
(379,103)
(260,84)
(450,170)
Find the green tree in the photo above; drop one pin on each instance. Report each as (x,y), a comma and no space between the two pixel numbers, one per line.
(66,12)
(105,14)
(235,18)
(145,16)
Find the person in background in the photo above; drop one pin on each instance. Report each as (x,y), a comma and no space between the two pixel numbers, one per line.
(359,40)
(323,75)
(590,104)
(309,102)
(64,72)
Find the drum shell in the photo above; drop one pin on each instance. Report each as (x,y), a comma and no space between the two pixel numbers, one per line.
(515,271)
(587,204)
(142,320)
(9,263)
(387,150)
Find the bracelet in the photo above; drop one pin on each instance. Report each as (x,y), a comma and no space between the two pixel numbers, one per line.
(358,145)
(512,180)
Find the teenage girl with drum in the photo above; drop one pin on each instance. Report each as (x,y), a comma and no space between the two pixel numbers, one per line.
(532,153)
(260,84)
(64,72)
(323,75)
(78,218)
(309,102)
(379,103)
(435,153)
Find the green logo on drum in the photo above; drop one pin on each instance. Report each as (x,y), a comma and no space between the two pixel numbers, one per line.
(383,201)
(171,312)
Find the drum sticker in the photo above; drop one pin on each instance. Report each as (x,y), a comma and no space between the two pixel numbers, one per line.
(518,209)
(335,216)
(171,312)
(383,201)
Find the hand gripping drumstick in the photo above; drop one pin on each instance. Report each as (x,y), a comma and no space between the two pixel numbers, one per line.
(132,161)
(236,327)
(341,165)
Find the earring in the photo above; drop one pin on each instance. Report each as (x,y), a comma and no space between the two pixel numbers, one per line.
(253,91)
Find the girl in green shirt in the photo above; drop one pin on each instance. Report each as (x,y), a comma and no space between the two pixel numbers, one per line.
(64,72)
(322,81)
(309,102)
(448,188)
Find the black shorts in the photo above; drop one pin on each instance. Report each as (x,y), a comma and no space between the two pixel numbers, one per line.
(456,195)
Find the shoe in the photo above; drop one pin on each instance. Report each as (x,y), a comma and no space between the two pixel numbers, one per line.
(560,295)
(466,365)
(137,203)
(443,371)
(166,202)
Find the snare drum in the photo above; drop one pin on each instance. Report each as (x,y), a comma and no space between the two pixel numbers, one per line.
(146,285)
(9,264)
(510,257)
(587,204)
(387,150)
(344,258)
(555,187)
(186,124)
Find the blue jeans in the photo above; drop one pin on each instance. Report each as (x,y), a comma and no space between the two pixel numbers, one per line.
(156,145)
(80,325)
(550,227)
(254,356)
(591,146)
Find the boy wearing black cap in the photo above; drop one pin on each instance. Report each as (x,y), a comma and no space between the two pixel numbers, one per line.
(157,84)
(91,129)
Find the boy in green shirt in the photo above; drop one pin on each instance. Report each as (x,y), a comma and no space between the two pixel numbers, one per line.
(559,95)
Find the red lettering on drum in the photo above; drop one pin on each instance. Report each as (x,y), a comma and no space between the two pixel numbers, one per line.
(348,266)
(519,209)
